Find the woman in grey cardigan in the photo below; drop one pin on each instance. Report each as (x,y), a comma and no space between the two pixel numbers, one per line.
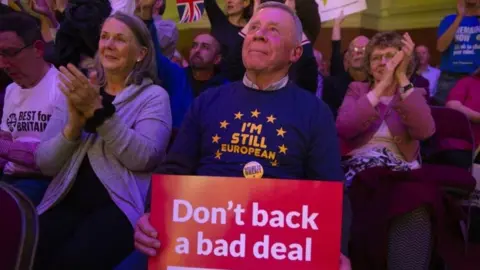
(101,147)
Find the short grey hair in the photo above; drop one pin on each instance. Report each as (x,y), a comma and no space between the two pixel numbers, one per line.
(296,20)
(147,68)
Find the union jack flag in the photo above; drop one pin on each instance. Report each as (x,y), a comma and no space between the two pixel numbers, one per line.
(189,10)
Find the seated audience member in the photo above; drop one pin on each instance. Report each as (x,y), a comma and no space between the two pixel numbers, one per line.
(181,83)
(335,87)
(455,33)
(418,80)
(167,31)
(425,69)
(465,97)
(101,146)
(303,72)
(298,129)
(28,103)
(204,57)
(382,123)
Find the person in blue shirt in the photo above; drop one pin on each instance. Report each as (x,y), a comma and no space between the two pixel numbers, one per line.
(184,84)
(459,43)
(264,123)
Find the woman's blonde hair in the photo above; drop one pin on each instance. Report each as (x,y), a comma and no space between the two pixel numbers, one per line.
(147,67)
(385,40)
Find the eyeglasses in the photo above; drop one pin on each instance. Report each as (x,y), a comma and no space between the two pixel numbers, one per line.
(379,57)
(10,53)
(358,49)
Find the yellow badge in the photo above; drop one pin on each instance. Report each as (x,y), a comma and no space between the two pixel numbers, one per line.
(253,169)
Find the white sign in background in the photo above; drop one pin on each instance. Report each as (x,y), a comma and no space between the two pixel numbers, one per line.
(330,9)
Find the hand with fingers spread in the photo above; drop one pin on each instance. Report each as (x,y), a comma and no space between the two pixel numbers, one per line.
(146,237)
(83,93)
(407,49)
(388,75)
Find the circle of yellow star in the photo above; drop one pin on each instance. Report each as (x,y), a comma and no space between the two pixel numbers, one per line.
(238,115)
(218,154)
(215,138)
(271,119)
(255,113)
(281,132)
(224,124)
(274,163)
(283,149)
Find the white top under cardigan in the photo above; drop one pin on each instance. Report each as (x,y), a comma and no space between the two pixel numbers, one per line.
(123,153)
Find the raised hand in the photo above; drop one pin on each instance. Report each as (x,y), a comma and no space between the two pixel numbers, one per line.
(339,19)
(407,49)
(42,7)
(82,92)
(461,7)
(388,75)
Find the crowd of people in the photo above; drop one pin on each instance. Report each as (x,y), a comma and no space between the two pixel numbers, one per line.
(97,99)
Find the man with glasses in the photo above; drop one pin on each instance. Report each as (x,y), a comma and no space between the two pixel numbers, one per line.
(335,87)
(29,102)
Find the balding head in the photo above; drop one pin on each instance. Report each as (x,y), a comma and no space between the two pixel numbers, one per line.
(356,52)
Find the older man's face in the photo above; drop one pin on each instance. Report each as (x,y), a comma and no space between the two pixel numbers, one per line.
(270,43)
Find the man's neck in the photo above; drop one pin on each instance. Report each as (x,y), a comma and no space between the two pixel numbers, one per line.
(202,74)
(263,81)
(44,68)
(237,20)
(357,75)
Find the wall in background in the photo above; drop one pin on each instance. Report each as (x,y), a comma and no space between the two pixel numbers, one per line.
(419,17)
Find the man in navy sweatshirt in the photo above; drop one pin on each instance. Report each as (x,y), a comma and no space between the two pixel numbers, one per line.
(264,120)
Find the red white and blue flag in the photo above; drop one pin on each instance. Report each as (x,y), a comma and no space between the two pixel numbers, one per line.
(189,10)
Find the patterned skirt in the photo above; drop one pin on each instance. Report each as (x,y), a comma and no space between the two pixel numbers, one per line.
(376,157)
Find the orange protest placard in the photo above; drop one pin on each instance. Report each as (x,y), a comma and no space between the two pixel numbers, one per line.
(239,223)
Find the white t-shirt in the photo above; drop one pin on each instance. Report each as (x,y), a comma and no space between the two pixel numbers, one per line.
(26,112)
(125,6)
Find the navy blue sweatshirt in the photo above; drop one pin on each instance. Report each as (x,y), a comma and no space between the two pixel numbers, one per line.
(289,131)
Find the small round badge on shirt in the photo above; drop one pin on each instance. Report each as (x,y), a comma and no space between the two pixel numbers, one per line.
(253,169)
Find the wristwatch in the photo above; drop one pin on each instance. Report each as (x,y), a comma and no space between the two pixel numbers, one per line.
(407,87)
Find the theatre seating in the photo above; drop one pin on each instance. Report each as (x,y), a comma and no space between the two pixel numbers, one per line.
(18,230)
